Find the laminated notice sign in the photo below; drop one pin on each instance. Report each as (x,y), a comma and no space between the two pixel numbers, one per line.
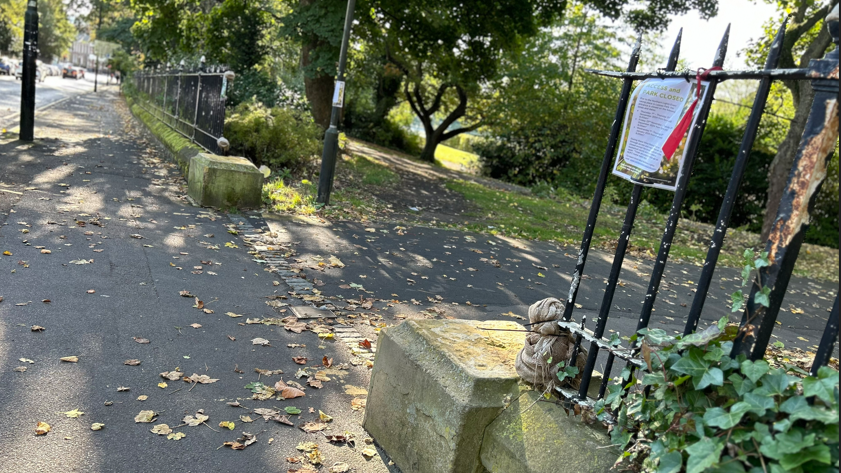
(339,94)
(656,106)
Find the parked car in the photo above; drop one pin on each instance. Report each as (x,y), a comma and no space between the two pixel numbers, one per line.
(6,66)
(72,72)
(40,73)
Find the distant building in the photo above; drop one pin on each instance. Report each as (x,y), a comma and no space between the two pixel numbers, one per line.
(81,53)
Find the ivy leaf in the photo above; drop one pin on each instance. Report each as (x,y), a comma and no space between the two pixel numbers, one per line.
(763,297)
(762,260)
(671,462)
(740,384)
(653,378)
(754,369)
(615,341)
(718,417)
(714,377)
(786,443)
(774,383)
(818,453)
(759,403)
(656,336)
(738,300)
(702,373)
(822,388)
(703,454)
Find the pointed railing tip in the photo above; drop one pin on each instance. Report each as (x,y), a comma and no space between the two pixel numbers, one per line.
(675,52)
(722,48)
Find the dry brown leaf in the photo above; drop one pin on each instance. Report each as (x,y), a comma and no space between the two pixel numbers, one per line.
(200,378)
(186,294)
(145,417)
(42,428)
(161,429)
(131,362)
(315,383)
(142,341)
(70,359)
(195,421)
(199,304)
(328,362)
(195,325)
(172,375)
(358,403)
(290,392)
(311,427)
(261,342)
(37,328)
(301,360)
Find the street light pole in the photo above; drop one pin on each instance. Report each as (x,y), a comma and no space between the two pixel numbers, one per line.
(98,25)
(331,136)
(30,54)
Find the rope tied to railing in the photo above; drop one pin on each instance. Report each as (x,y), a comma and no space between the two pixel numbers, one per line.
(546,346)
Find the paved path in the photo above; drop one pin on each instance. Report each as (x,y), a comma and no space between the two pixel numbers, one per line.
(52,90)
(86,191)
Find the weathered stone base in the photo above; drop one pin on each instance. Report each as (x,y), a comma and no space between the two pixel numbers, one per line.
(224,182)
(539,437)
(435,386)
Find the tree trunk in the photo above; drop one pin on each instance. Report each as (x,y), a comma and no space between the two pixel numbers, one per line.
(780,167)
(319,90)
(802,95)
(428,153)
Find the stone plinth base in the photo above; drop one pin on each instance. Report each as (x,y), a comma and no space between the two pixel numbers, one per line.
(224,182)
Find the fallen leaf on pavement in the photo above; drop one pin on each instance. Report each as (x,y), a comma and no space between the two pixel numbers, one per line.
(336,262)
(42,427)
(161,429)
(20,369)
(162,385)
(145,416)
(131,362)
(200,378)
(242,442)
(70,359)
(136,236)
(199,304)
(328,362)
(339,467)
(358,403)
(46,252)
(289,392)
(314,383)
(91,291)
(123,389)
(74,414)
(310,427)
(336,438)
(226,424)
(301,360)
(231,314)
(324,417)
(26,360)
(176,436)
(260,341)
(142,341)
(365,344)
(369,452)
(195,421)
(233,339)
(97,426)
(172,375)
(195,325)
(186,294)
(246,419)
(81,261)
(37,328)
(292,410)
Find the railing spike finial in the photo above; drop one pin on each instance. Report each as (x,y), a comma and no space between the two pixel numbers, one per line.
(776,46)
(675,53)
(832,25)
(637,46)
(721,52)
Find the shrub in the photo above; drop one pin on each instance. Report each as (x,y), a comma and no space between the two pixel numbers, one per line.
(254,85)
(277,137)
(526,156)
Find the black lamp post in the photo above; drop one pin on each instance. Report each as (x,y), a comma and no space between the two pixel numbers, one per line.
(331,136)
(30,54)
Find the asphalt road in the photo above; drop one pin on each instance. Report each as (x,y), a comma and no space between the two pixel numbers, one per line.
(52,90)
(92,191)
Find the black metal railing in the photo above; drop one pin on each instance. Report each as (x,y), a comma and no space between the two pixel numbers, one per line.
(783,245)
(190,102)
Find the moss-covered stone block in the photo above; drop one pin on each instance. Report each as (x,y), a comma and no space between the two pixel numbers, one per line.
(435,386)
(224,182)
(533,436)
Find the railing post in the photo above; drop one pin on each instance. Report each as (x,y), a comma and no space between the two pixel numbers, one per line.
(198,101)
(616,267)
(729,202)
(602,180)
(798,201)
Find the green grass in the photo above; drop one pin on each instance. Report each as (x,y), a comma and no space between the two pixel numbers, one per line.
(563,218)
(457,159)
(293,198)
(370,172)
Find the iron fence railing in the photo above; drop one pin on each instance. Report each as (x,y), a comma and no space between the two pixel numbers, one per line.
(190,102)
(783,245)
